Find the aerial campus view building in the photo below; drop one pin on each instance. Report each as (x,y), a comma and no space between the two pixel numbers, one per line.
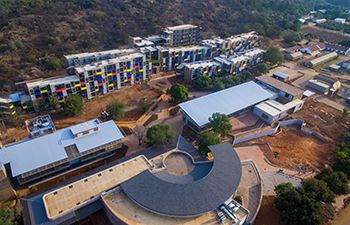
(49,151)
(267,97)
(98,73)
(149,187)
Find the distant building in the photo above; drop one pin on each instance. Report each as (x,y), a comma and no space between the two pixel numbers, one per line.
(35,158)
(338,49)
(280,76)
(321,60)
(320,21)
(182,35)
(282,89)
(313,49)
(242,42)
(324,84)
(340,20)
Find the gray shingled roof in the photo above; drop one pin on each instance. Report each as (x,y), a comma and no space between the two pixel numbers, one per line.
(188,197)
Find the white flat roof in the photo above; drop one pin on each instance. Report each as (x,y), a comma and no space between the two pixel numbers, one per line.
(34,153)
(319,83)
(180,27)
(274,108)
(227,102)
(200,64)
(53,81)
(84,126)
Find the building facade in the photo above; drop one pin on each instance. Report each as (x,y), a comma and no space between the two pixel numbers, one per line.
(182,35)
(39,157)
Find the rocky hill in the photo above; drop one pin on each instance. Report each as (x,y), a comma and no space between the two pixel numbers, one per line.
(35,34)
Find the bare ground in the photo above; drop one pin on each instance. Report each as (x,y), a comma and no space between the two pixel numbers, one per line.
(293,148)
(327,120)
(268,213)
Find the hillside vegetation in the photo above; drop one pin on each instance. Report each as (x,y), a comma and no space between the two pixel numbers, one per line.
(35,34)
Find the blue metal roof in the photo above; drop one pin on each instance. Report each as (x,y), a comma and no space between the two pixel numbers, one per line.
(227,102)
(34,153)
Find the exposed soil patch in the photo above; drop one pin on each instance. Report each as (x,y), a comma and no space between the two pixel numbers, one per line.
(92,108)
(327,120)
(268,213)
(290,148)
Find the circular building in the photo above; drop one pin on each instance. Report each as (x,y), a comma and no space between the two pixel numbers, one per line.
(187,188)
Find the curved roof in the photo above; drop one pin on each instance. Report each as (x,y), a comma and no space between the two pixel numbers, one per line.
(178,197)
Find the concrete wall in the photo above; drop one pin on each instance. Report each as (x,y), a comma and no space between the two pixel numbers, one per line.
(293,122)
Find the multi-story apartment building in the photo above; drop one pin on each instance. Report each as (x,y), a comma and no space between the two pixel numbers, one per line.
(222,65)
(92,57)
(191,71)
(7,107)
(41,91)
(242,42)
(98,73)
(112,74)
(171,58)
(243,61)
(182,35)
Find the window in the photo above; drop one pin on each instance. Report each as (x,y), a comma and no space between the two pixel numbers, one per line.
(264,116)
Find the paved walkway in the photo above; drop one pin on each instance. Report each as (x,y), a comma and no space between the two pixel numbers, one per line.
(271,175)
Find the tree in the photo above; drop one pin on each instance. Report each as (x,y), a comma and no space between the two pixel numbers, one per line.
(54,63)
(274,56)
(296,207)
(290,36)
(74,105)
(54,103)
(336,181)
(115,109)
(160,134)
(144,104)
(218,85)
(246,76)
(206,139)
(201,82)
(220,124)
(263,68)
(345,113)
(7,216)
(318,190)
(178,93)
